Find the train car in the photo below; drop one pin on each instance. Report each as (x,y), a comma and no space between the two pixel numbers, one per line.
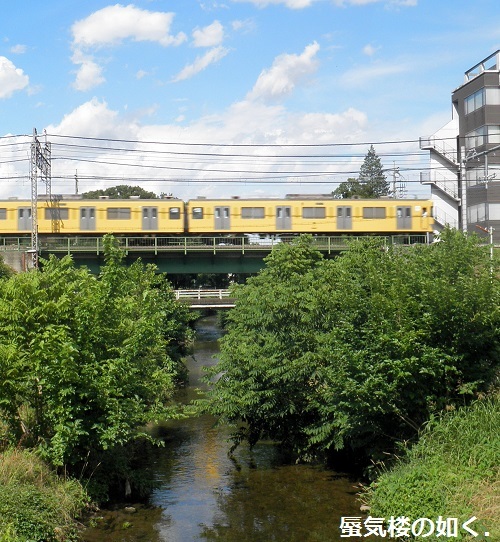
(308,214)
(70,216)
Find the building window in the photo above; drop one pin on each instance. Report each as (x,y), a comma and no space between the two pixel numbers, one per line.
(56,213)
(197,213)
(313,212)
(118,213)
(492,96)
(474,101)
(373,212)
(174,213)
(476,213)
(3,214)
(476,138)
(494,210)
(252,212)
(493,134)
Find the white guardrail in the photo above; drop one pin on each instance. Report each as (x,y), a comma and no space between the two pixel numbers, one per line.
(201,294)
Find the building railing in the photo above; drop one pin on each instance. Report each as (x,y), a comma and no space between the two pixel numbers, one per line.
(448,186)
(440,146)
(444,219)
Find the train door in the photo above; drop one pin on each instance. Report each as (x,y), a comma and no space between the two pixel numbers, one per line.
(24,218)
(87,218)
(222,218)
(403,218)
(344,218)
(283,218)
(150,218)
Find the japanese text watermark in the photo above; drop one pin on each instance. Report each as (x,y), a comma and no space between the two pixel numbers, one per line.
(404,527)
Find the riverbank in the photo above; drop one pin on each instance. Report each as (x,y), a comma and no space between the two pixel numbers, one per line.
(35,503)
(453,472)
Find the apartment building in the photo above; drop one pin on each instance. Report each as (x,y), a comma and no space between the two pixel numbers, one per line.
(464,170)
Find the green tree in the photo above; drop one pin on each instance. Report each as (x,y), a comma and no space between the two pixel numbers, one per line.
(371,183)
(86,361)
(357,352)
(122,191)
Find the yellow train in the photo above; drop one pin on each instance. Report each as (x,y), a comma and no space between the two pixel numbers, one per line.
(71,215)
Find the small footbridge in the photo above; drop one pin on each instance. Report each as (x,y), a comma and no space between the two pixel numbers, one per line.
(205,299)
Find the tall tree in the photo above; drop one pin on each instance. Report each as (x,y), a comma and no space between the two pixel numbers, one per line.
(122,191)
(371,176)
(371,183)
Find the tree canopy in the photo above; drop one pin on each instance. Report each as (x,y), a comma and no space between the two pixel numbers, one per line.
(371,183)
(122,191)
(356,353)
(85,361)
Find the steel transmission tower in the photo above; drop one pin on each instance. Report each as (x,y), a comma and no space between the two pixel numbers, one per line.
(40,167)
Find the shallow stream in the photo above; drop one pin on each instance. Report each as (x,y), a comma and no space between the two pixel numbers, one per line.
(204,495)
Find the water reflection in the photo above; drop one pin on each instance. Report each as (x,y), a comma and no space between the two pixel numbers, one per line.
(256,496)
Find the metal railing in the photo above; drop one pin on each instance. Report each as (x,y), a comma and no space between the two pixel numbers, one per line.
(185,245)
(440,146)
(449,186)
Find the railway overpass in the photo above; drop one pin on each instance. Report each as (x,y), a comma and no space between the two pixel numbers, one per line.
(179,255)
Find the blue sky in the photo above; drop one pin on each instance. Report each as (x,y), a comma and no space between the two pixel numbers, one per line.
(278,95)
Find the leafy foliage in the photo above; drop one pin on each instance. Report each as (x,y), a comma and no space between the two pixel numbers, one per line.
(122,191)
(371,183)
(85,361)
(357,352)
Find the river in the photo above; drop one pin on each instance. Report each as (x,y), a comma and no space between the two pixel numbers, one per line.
(203,495)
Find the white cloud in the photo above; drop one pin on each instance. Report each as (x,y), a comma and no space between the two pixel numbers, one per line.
(89,75)
(292,4)
(92,119)
(18,49)
(369,50)
(201,63)
(243,26)
(389,3)
(11,78)
(287,70)
(113,24)
(244,122)
(359,76)
(209,36)
(110,26)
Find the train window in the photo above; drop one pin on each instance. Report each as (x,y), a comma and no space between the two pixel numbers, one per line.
(56,213)
(197,212)
(252,212)
(3,214)
(373,212)
(174,213)
(313,212)
(118,213)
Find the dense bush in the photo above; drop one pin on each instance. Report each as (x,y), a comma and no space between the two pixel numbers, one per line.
(358,352)
(85,361)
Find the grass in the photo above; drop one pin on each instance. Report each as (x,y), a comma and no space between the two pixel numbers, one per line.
(453,471)
(35,504)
